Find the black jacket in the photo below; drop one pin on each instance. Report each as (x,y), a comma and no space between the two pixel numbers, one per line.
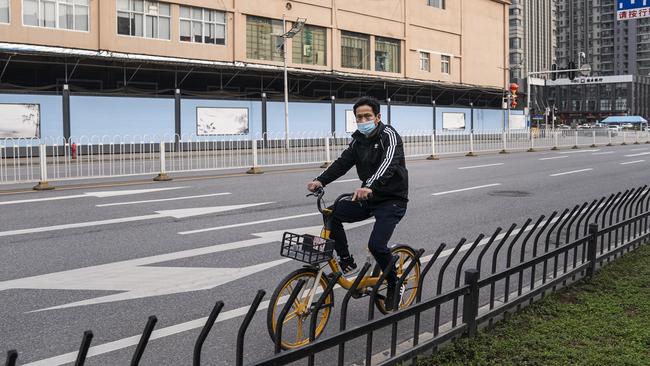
(380,163)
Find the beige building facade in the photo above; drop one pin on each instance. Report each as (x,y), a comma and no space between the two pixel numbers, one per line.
(438,41)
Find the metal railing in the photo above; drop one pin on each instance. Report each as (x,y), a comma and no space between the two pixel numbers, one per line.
(43,160)
(512,269)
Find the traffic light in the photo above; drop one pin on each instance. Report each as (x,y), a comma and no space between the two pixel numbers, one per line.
(513,93)
(553,75)
(572,74)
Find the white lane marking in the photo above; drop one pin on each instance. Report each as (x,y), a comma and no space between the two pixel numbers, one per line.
(163,199)
(632,162)
(346,180)
(99,194)
(177,214)
(571,172)
(480,166)
(639,154)
(246,224)
(466,189)
(139,279)
(603,153)
(555,157)
(640,149)
(579,151)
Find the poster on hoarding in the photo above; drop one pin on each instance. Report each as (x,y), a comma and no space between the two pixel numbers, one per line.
(221,121)
(20,121)
(517,122)
(453,121)
(350,121)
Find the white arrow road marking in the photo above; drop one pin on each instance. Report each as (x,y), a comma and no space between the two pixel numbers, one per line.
(571,172)
(638,154)
(178,214)
(139,281)
(99,194)
(479,166)
(578,151)
(146,281)
(163,199)
(246,224)
(555,157)
(466,189)
(632,162)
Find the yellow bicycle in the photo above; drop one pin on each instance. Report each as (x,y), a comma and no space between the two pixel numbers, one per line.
(317,253)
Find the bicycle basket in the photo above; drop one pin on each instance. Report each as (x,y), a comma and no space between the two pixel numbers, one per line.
(307,248)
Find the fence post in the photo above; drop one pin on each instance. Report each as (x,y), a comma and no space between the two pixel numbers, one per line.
(12,356)
(255,169)
(594,137)
(43,184)
(609,137)
(433,147)
(471,144)
(328,157)
(636,137)
(505,146)
(591,249)
(575,146)
(624,142)
(532,142)
(83,349)
(470,301)
(555,140)
(162,176)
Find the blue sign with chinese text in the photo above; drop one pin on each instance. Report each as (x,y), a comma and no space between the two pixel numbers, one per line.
(632,9)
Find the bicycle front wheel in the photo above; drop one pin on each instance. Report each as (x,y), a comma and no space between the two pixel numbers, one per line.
(295,328)
(405,255)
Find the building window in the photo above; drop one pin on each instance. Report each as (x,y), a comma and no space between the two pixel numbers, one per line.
(4,11)
(138,18)
(387,54)
(202,25)
(605,105)
(621,104)
(440,4)
(425,61)
(355,50)
(515,43)
(445,64)
(264,38)
(62,14)
(310,45)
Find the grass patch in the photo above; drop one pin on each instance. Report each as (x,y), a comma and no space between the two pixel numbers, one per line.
(601,321)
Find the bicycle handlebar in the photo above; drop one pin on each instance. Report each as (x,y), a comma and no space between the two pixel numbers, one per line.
(320,192)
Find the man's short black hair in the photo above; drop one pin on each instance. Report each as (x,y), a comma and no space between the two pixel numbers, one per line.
(369,101)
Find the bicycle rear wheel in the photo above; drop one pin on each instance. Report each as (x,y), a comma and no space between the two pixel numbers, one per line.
(406,255)
(295,329)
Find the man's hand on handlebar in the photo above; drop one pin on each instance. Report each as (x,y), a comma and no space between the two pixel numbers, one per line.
(361,194)
(314,185)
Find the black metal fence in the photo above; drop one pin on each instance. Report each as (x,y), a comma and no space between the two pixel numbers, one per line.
(526,263)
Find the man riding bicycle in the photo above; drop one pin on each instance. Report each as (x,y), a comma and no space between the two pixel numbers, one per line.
(378,154)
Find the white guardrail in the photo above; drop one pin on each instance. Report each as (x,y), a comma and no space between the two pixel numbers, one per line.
(46,160)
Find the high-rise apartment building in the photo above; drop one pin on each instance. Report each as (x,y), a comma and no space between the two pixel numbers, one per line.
(532,36)
(610,46)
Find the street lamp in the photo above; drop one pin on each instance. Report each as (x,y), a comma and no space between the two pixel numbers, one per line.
(297,26)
